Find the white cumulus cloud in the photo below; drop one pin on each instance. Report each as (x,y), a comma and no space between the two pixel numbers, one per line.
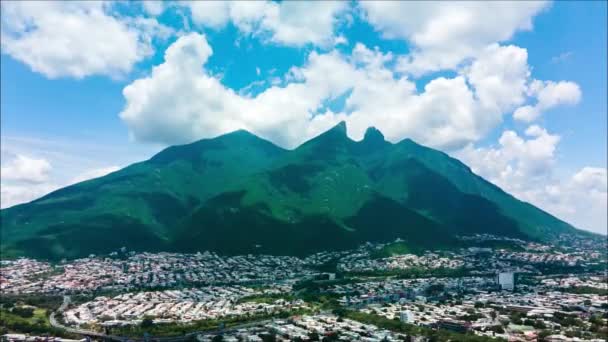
(591,178)
(76,38)
(13,194)
(33,167)
(23,178)
(524,166)
(20,190)
(518,161)
(548,94)
(499,75)
(293,23)
(94,173)
(153,7)
(27,169)
(443,34)
(180,101)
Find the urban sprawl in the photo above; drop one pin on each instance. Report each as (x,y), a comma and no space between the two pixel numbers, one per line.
(496,289)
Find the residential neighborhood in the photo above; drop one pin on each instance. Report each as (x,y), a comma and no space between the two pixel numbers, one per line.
(518,291)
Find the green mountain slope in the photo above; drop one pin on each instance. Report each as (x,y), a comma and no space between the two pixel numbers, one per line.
(238,193)
(227,226)
(134,207)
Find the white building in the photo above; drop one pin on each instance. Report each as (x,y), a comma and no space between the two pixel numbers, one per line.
(506,281)
(406,316)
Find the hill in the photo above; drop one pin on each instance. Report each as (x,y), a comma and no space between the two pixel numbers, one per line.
(238,193)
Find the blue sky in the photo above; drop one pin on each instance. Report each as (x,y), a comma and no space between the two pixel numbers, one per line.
(521,98)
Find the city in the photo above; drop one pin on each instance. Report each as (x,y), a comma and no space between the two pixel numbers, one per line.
(520,291)
(303,170)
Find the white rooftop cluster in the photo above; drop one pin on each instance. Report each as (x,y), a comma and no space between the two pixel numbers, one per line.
(179,305)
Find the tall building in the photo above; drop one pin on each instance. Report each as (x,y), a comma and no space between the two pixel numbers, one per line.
(406,316)
(506,281)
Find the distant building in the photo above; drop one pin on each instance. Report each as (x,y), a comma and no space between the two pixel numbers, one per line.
(480,250)
(406,316)
(421,299)
(506,281)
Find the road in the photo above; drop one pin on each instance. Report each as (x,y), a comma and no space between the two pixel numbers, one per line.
(64,305)
(67,301)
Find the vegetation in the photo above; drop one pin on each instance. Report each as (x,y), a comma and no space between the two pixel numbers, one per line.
(147,323)
(410,329)
(495,244)
(330,267)
(23,311)
(180,329)
(395,248)
(312,286)
(41,301)
(598,327)
(27,320)
(587,290)
(548,269)
(266,298)
(415,272)
(239,194)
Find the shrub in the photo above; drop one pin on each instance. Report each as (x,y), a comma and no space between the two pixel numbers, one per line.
(24,312)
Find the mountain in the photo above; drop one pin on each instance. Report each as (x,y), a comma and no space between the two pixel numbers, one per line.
(238,193)
(136,206)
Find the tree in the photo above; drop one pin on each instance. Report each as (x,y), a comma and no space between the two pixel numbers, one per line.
(105,318)
(24,312)
(147,322)
(595,319)
(340,312)
(269,337)
(498,329)
(330,338)
(543,334)
(539,324)
(528,322)
(515,318)
(434,289)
